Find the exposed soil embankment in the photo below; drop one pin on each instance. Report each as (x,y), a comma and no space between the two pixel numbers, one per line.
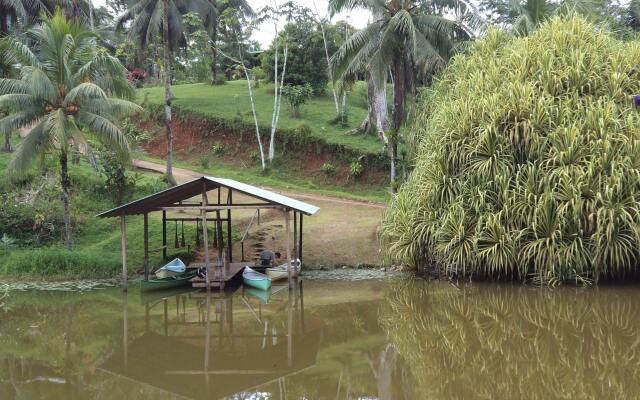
(233,142)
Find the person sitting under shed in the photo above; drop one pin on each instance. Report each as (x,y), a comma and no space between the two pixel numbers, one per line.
(267,257)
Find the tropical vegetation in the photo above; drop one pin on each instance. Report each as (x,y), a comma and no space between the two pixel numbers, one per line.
(68,94)
(525,167)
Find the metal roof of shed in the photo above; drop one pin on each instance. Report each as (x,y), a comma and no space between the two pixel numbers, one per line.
(193,188)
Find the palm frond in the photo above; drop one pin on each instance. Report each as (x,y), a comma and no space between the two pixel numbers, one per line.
(30,148)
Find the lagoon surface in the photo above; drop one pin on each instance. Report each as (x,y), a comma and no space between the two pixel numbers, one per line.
(372,339)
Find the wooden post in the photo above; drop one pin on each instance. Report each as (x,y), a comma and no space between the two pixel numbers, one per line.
(164,235)
(288,235)
(207,344)
(123,246)
(295,234)
(205,234)
(300,239)
(229,237)
(166,316)
(146,246)
(125,329)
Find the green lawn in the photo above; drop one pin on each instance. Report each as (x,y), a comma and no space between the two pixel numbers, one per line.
(232,100)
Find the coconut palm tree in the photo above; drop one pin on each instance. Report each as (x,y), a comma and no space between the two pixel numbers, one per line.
(148,18)
(68,92)
(403,37)
(17,13)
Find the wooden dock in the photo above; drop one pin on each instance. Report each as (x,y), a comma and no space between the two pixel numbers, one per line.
(220,276)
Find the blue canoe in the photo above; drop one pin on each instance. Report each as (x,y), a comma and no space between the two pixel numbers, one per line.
(255,279)
(174,268)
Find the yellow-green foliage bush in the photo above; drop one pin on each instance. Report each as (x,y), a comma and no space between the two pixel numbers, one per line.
(528,160)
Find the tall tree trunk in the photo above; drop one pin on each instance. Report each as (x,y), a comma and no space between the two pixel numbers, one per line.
(398,113)
(214,58)
(326,54)
(168,95)
(66,185)
(7,142)
(377,109)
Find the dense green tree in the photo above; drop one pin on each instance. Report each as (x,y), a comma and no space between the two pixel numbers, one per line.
(222,27)
(527,160)
(67,93)
(404,37)
(150,17)
(306,60)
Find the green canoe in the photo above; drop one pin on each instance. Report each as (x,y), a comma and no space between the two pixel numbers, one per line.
(167,283)
(255,279)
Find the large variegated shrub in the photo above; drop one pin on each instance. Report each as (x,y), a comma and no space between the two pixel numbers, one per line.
(528,160)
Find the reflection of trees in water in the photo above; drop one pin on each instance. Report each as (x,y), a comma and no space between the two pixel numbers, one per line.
(514,342)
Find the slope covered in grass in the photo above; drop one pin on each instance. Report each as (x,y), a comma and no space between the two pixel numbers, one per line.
(232,101)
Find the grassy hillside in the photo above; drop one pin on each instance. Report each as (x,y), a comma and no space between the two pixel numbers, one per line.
(232,101)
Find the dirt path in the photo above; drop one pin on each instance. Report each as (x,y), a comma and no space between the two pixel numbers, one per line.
(343,232)
(183,175)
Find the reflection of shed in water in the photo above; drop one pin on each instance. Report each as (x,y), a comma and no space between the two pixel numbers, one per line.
(207,359)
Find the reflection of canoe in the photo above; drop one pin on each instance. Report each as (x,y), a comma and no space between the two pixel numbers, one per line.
(262,295)
(166,283)
(280,272)
(174,268)
(253,278)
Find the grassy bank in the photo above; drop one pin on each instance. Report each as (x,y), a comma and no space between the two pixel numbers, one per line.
(231,101)
(280,179)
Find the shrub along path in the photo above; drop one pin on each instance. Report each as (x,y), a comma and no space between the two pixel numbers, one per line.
(343,232)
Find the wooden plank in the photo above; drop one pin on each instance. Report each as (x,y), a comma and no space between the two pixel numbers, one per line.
(123,247)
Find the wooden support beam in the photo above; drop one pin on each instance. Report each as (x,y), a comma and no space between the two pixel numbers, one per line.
(218,208)
(146,247)
(205,234)
(229,241)
(220,242)
(123,246)
(164,235)
(295,234)
(300,239)
(288,243)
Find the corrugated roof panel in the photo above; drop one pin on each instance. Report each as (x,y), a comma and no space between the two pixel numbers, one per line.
(266,195)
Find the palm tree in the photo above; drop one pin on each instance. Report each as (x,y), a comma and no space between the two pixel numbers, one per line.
(404,37)
(16,13)
(63,97)
(148,18)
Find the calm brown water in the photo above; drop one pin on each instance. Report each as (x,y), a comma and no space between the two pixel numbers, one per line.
(336,340)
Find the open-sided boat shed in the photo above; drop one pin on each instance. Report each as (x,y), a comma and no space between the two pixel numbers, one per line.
(184,197)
